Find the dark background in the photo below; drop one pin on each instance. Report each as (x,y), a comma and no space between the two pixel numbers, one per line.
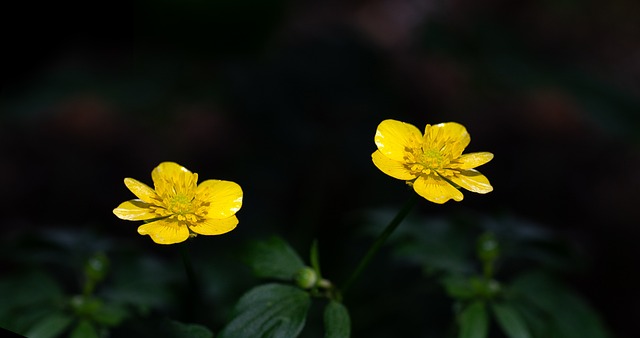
(284,97)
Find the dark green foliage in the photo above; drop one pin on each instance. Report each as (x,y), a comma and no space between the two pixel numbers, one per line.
(337,323)
(177,329)
(273,258)
(270,310)
(50,326)
(510,321)
(474,321)
(553,310)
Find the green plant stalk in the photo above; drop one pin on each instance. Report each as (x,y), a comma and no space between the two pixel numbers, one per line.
(391,227)
(193,292)
(188,267)
(89,286)
(487,269)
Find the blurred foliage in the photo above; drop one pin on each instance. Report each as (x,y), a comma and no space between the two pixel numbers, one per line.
(254,82)
(500,274)
(512,278)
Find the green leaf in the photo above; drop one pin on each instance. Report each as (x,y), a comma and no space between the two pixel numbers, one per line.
(336,321)
(26,299)
(474,322)
(273,258)
(510,321)
(565,313)
(84,329)
(50,326)
(26,290)
(110,314)
(182,330)
(458,287)
(270,310)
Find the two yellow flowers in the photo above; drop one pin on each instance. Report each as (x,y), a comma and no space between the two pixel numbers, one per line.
(178,207)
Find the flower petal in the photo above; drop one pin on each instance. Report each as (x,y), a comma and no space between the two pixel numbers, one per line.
(471,160)
(134,210)
(141,190)
(170,178)
(436,189)
(472,180)
(214,226)
(391,167)
(449,138)
(224,197)
(394,139)
(165,231)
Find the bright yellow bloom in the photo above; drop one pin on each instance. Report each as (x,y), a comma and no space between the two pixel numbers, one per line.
(179,207)
(433,163)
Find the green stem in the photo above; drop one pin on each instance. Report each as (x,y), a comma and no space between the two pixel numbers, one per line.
(188,267)
(391,227)
(193,292)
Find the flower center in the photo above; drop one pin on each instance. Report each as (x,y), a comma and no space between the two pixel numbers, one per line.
(181,205)
(431,159)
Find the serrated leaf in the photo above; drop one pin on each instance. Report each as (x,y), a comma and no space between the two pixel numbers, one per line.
(337,323)
(273,258)
(84,329)
(510,321)
(50,326)
(270,310)
(474,322)
(182,330)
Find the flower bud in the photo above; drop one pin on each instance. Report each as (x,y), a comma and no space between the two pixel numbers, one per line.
(306,278)
(96,267)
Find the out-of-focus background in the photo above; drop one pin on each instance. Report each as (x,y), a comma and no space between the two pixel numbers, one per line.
(284,97)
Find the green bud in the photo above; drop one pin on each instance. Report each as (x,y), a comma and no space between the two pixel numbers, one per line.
(488,248)
(306,278)
(96,267)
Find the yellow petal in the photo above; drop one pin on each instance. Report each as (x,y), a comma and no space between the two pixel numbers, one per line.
(165,231)
(471,160)
(394,139)
(224,197)
(170,178)
(141,190)
(449,138)
(134,210)
(436,189)
(214,226)
(391,167)
(472,180)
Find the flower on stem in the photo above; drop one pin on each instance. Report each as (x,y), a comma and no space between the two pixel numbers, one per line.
(178,207)
(432,163)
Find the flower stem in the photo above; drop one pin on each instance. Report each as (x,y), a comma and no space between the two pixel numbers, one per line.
(188,267)
(391,227)
(193,290)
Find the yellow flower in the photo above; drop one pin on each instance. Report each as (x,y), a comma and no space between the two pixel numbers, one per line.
(179,207)
(433,163)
